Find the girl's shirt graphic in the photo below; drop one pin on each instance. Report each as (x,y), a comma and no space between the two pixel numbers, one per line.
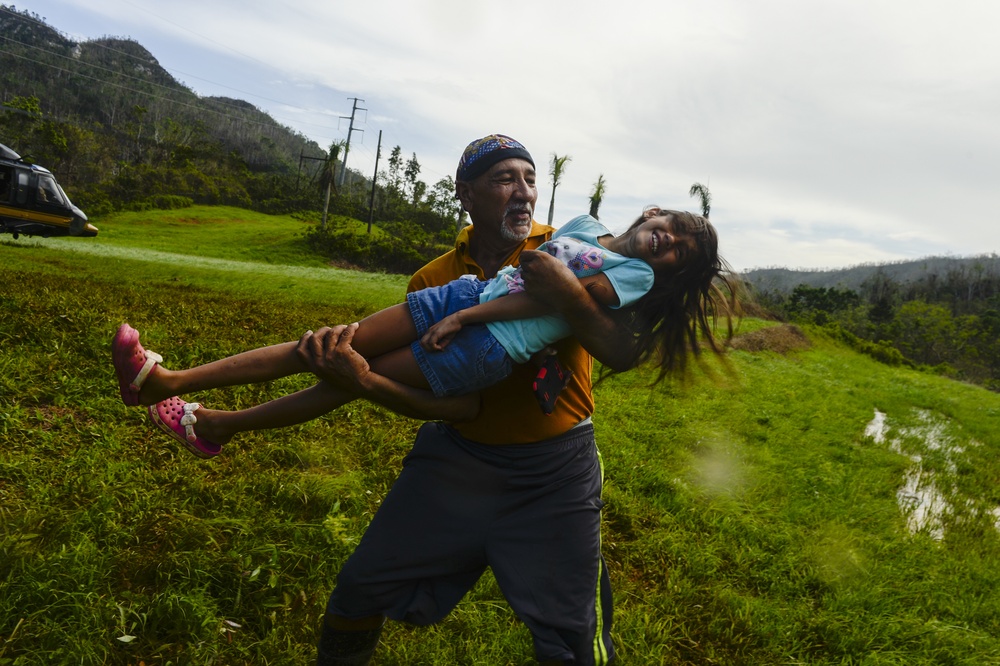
(576,245)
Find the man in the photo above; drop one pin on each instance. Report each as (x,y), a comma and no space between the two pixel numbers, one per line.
(512,489)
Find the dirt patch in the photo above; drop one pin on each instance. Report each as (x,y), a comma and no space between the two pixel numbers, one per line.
(345,265)
(48,416)
(781,339)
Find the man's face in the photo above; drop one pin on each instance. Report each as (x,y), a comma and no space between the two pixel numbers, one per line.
(502,200)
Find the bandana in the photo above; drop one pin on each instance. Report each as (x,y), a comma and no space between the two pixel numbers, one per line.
(483,153)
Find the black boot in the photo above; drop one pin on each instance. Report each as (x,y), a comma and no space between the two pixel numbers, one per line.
(346,648)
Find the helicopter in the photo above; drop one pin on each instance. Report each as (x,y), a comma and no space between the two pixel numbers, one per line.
(33,203)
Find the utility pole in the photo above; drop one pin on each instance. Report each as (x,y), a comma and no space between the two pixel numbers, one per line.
(347,147)
(303,156)
(371,202)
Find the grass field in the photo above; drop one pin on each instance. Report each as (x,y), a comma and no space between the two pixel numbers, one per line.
(809,507)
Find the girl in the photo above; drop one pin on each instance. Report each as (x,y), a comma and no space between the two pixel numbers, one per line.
(464,336)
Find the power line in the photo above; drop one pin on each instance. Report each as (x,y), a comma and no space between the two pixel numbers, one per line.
(199,108)
(126,88)
(95,43)
(186,29)
(98,44)
(117,74)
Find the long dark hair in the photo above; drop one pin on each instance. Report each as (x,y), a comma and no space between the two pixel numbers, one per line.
(685,303)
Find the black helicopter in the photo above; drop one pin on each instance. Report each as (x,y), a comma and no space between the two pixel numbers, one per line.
(32,202)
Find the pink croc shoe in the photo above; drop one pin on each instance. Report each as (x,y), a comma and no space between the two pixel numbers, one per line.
(133,364)
(176,418)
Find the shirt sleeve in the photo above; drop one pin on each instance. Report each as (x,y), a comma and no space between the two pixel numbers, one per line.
(631,280)
(582,224)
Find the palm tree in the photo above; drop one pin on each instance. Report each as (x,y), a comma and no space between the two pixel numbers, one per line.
(556,169)
(597,196)
(701,191)
(327,177)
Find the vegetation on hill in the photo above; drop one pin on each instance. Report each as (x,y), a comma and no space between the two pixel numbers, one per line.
(122,134)
(939,312)
(945,272)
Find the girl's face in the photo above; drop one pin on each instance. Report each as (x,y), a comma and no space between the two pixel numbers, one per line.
(655,242)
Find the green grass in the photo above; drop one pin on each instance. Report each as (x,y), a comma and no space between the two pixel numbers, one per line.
(227,248)
(749,520)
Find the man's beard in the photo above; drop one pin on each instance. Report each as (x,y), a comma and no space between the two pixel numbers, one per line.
(518,232)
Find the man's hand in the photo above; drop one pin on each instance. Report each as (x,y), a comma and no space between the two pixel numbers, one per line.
(553,284)
(549,280)
(442,333)
(329,355)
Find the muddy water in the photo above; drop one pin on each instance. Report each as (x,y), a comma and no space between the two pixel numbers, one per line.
(927,498)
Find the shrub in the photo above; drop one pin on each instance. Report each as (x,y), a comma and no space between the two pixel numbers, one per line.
(160,202)
(365,251)
(94,202)
(881,351)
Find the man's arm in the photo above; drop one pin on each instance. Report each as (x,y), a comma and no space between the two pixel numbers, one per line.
(519,305)
(329,355)
(598,329)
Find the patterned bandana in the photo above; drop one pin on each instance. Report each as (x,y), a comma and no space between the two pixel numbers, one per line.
(483,153)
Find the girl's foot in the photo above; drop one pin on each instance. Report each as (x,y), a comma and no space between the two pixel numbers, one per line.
(133,364)
(210,426)
(178,419)
(140,377)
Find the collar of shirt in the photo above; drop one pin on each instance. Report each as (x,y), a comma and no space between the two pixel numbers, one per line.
(539,234)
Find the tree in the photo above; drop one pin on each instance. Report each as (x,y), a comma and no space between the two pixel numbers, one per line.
(394,179)
(327,177)
(410,174)
(556,168)
(818,303)
(925,333)
(881,292)
(19,121)
(701,191)
(443,202)
(596,197)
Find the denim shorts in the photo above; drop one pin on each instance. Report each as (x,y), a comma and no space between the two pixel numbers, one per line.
(474,359)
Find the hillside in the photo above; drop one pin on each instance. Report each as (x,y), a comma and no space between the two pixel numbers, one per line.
(940,312)
(807,504)
(121,133)
(854,277)
(103,82)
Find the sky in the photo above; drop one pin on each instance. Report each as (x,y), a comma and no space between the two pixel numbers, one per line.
(830,133)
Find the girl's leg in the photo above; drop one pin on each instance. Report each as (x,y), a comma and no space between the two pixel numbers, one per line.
(251,367)
(391,328)
(382,332)
(219,426)
(400,365)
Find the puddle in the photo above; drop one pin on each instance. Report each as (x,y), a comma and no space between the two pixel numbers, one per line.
(923,505)
(926,499)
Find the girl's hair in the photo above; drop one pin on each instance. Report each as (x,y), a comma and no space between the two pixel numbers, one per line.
(685,302)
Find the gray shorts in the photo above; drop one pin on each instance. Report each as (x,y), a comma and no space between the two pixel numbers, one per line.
(531,512)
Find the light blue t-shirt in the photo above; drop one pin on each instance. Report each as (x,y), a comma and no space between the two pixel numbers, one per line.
(576,245)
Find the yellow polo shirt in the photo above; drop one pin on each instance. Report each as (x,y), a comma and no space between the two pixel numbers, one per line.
(509,413)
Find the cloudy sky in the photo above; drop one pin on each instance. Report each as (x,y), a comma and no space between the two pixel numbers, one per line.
(831,133)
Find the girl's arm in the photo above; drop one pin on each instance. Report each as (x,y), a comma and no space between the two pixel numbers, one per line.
(520,305)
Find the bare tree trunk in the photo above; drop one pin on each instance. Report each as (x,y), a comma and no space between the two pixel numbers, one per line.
(326,204)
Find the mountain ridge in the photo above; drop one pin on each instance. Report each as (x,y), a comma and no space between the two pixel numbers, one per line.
(781,279)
